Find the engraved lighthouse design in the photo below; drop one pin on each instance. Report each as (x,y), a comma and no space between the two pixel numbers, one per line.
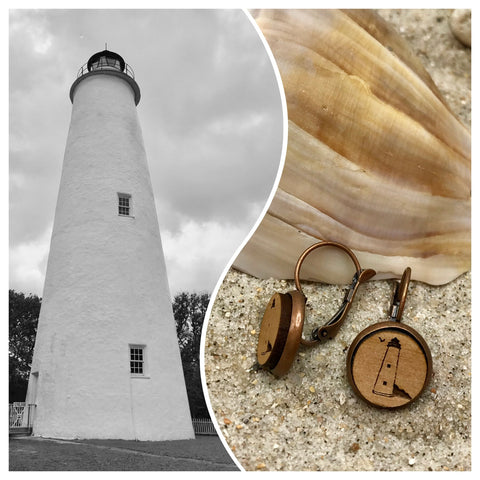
(106,361)
(385,382)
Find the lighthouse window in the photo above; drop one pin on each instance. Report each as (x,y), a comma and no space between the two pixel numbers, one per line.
(137,360)
(124,204)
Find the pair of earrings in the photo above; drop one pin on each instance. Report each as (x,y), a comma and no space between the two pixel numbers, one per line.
(388,364)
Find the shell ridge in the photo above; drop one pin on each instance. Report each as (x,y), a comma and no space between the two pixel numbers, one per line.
(332,158)
(403,122)
(281,251)
(413,81)
(344,232)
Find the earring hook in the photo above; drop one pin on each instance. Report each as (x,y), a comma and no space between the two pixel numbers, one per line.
(330,329)
(400,295)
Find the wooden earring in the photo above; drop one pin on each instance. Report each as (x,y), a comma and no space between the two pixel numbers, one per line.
(282,324)
(389,363)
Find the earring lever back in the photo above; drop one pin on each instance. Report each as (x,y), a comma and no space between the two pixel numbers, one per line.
(331,328)
(399,296)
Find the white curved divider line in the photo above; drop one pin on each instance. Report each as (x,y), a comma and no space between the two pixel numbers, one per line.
(247,238)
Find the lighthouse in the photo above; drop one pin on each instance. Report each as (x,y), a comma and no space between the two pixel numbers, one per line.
(106,362)
(385,382)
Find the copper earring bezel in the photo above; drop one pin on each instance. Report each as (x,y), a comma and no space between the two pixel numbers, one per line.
(294,337)
(376,329)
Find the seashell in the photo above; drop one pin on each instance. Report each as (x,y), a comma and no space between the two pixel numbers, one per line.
(460,23)
(375,160)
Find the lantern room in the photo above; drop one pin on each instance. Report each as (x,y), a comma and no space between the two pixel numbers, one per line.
(110,63)
(106,60)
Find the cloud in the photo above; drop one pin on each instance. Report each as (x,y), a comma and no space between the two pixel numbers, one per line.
(210,113)
(33,31)
(197,254)
(28,263)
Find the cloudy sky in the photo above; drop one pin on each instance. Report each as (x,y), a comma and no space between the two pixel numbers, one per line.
(211,115)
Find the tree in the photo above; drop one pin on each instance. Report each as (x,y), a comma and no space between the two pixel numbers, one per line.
(23,320)
(189,311)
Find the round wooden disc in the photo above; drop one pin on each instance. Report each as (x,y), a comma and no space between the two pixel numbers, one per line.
(389,364)
(274,330)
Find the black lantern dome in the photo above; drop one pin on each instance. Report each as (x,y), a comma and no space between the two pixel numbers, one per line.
(106,60)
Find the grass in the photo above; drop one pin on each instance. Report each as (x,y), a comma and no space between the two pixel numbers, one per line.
(205,453)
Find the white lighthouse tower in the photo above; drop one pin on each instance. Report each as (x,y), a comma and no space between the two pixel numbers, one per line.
(106,362)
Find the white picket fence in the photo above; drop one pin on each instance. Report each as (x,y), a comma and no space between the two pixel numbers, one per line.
(20,415)
(203,426)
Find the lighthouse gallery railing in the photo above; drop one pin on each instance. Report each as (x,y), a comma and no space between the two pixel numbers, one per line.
(127,71)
